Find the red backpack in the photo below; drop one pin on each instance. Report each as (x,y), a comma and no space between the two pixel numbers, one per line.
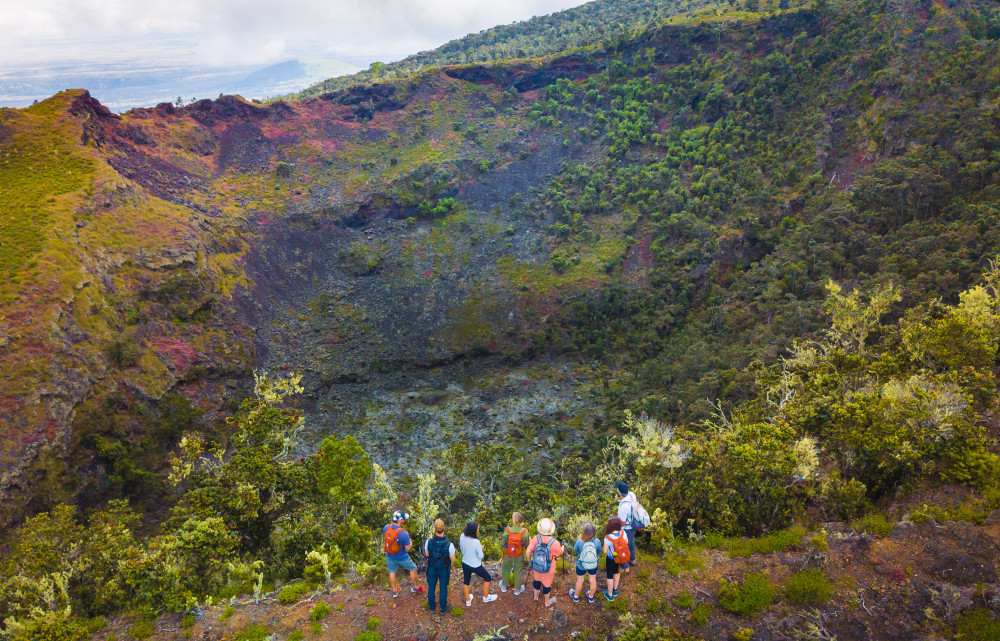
(515,544)
(391,541)
(620,547)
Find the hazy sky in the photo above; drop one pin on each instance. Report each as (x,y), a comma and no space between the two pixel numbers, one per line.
(245,31)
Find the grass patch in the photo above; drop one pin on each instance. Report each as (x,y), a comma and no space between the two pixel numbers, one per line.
(748,598)
(618,605)
(253,633)
(369,635)
(684,600)
(977,625)
(292,593)
(701,612)
(684,559)
(808,587)
(339,607)
(373,623)
(319,612)
(140,630)
(370,603)
(295,635)
(188,621)
(874,523)
(228,612)
(457,612)
(774,542)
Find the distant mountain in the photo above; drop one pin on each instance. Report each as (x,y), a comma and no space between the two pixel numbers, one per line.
(590,24)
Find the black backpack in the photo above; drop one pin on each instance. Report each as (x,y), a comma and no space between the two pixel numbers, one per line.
(437,553)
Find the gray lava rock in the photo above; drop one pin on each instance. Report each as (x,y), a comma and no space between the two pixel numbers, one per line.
(559,618)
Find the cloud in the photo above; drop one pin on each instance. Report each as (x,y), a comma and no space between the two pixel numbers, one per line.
(225,31)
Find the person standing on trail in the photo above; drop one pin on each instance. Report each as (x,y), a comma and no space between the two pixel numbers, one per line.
(543,550)
(626,512)
(472,563)
(440,553)
(515,542)
(588,558)
(616,548)
(396,543)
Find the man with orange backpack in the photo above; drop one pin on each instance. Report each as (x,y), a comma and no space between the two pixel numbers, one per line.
(396,543)
(515,542)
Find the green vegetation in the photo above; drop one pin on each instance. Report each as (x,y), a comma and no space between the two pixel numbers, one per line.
(684,600)
(295,635)
(319,611)
(373,623)
(228,612)
(977,625)
(369,635)
(874,523)
(808,587)
(748,598)
(253,633)
(768,544)
(701,612)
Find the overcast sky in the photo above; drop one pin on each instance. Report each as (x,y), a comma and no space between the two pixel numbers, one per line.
(245,31)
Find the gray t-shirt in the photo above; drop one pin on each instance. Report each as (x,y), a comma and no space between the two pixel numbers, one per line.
(472,551)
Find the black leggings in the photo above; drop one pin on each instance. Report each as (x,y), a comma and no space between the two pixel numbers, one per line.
(538,586)
(467,573)
(611,567)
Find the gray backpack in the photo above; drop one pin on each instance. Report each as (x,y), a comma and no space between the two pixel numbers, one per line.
(589,558)
(541,557)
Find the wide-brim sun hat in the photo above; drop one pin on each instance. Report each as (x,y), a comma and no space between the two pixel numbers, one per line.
(546,527)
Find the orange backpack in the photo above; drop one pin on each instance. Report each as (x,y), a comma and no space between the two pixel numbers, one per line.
(515,544)
(390,541)
(620,547)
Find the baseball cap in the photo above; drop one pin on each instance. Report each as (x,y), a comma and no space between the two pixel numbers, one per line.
(400,515)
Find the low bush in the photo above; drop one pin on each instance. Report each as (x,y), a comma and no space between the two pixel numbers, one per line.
(319,612)
(808,587)
(774,542)
(977,625)
(684,600)
(373,623)
(141,630)
(295,635)
(253,633)
(873,523)
(292,593)
(228,612)
(369,635)
(748,598)
(701,612)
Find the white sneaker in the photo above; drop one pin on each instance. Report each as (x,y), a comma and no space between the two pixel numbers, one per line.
(503,588)
(519,590)
(489,599)
(468,603)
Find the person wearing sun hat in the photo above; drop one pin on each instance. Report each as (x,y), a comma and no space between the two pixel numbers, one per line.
(543,550)
(396,543)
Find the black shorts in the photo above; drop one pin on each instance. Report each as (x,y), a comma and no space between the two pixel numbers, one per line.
(538,586)
(612,567)
(467,573)
(580,571)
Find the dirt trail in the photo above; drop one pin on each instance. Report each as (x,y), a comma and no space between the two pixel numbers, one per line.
(910,584)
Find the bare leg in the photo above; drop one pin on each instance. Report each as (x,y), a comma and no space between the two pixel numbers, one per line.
(593,585)
(486,589)
(392,581)
(413,577)
(611,586)
(579,586)
(465,591)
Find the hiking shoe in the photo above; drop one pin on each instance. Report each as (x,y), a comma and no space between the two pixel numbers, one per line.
(446,610)
(419,589)
(503,588)
(615,593)
(395,593)
(607,595)
(519,590)
(590,597)
(489,599)
(572,595)
(468,602)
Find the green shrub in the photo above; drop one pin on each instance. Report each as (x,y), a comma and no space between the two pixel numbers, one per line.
(974,512)
(54,627)
(339,607)
(684,600)
(618,605)
(457,612)
(701,612)
(641,631)
(774,542)
(370,603)
(317,627)
(295,635)
(977,625)
(141,630)
(292,593)
(188,621)
(228,612)
(654,605)
(808,587)
(748,598)
(373,623)
(253,633)
(874,523)
(319,612)
(369,635)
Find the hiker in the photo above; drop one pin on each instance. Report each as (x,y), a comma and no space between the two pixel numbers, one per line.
(626,512)
(543,550)
(396,543)
(588,558)
(515,542)
(472,563)
(616,547)
(440,553)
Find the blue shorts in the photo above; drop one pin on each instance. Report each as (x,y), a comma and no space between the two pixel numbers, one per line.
(580,571)
(408,564)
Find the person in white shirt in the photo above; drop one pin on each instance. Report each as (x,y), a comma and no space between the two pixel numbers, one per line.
(626,508)
(472,563)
